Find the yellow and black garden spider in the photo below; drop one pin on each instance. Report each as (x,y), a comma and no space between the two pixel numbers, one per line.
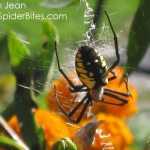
(92,70)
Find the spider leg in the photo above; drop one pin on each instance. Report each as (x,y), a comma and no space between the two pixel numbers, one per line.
(88,101)
(118,92)
(72,103)
(77,87)
(111,93)
(113,77)
(86,98)
(72,111)
(116,45)
(123,100)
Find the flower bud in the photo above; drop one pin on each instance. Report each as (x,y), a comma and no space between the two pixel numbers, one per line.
(64,144)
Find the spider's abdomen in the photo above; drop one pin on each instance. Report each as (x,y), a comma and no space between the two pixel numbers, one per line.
(91,67)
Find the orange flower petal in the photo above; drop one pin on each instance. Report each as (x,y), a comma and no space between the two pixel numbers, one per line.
(125,111)
(120,135)
(53,125)
(13,123)
(116,133)
(55,128)
(66,97)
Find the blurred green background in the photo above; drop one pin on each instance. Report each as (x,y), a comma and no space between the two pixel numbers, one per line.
(70,31)
(73,27)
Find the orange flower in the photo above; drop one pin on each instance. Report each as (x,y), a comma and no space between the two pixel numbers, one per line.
(66,97)
(125,111)
(118,133)
(53,125)
(55,128)
(13,123)
(112,133)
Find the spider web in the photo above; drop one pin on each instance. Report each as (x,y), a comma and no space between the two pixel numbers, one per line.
(103,42)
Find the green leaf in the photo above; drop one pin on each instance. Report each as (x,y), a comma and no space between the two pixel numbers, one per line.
(147,145)
(21,61)
(8,112)
(23,110)
(46,54)
(17,49)
(57,3)
(4,56)
(7,89)
(7,142)
(19,58)
(49,36)
(41,138)
(140,130)
(46,57)
(139,36)
(23,100)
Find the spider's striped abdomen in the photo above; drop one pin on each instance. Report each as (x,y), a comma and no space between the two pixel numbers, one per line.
(91,67)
